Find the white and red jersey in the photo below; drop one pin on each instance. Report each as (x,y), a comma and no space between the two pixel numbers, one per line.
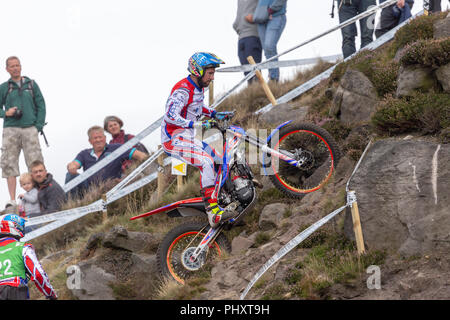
(33,269)
(184,107)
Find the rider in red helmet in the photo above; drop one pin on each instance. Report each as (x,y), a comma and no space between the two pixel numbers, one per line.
(184,108)
(18,262)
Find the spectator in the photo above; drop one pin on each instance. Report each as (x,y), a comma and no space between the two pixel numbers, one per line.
(249,43)
(270,15)
(100,149)
(50,194)
(20,263)
(24,118)
(347,10)
(30,201)
(113,125)
(393,15)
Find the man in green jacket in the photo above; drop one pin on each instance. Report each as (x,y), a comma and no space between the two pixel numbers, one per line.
(23,112)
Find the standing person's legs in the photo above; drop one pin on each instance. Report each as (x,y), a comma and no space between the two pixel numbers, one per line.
(274,30)
(367,24)
(255,49)
(435,5)
(31,146)
(249,46)
(11,146)
(347,11)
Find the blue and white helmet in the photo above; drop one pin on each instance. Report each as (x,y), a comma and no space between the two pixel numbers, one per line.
(12,225)
(201,61)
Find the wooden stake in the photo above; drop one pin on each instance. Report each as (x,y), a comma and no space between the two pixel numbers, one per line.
(179,182)
(105,209)
(264,84)
(211,93)
(161,178)
(357,228)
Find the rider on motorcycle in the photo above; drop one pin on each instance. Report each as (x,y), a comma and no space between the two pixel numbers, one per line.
(184,108)
(18,262)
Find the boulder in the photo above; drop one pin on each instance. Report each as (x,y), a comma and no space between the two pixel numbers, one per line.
(94,282)
(412,78)
(284,112)
(271,216)
(443,76)
(355,99)
(241,243)
(119,238)
(441,28)
(403,199)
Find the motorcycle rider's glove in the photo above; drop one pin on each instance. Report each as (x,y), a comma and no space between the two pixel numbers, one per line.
(205,124)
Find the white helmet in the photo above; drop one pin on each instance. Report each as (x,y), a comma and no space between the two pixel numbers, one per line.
(12,225)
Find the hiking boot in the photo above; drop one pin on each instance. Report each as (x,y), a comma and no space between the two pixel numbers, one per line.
(10,203)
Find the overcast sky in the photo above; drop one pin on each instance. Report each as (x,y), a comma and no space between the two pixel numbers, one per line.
(97,58)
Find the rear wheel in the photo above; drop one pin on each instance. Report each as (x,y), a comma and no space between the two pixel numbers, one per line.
(313,147)
(179,244)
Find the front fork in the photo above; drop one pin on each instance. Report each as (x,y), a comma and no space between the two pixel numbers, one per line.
(209,238)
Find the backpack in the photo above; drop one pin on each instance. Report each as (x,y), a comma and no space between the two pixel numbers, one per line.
(30,87)
(139,146)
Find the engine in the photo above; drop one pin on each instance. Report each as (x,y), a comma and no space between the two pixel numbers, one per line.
(243,190)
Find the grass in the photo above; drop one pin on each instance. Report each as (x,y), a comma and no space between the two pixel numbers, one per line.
(331,259)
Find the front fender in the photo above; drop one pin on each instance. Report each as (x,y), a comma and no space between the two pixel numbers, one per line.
(278,129)
(264,164)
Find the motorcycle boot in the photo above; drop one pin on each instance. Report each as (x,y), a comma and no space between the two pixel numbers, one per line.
(215,213)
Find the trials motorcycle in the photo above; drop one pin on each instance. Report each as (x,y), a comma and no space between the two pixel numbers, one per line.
(298,158)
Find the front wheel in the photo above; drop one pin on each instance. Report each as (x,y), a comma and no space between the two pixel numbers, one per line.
(315,150)
(178,245)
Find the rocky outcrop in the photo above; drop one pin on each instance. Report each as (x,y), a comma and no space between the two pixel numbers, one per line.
(412,78)
(271,216)
(119,256)
(443,76)
(355,99)
(441,28)
(284,112)
(402,190)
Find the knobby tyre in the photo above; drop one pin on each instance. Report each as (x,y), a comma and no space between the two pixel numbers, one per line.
(174,250)
(311,144)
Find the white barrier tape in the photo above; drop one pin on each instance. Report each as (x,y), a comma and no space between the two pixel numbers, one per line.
(281,64)
(289,246)
(299,90)
(61,214)
(132,187)
(326,74)
(75,214)
(357,166)
(113,156)
(135,172)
